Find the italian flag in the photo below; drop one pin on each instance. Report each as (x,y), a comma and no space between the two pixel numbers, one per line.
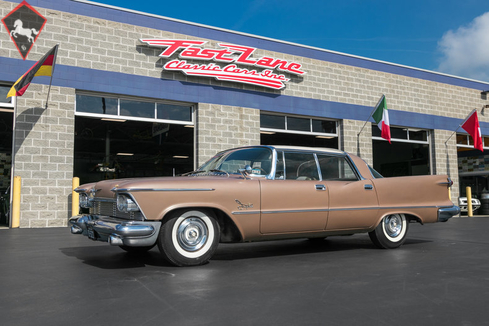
(381,117)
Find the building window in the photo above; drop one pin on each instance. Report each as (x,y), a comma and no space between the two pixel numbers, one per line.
(278,129)
(5,103)
(408,153)
(118,137)
(108,107)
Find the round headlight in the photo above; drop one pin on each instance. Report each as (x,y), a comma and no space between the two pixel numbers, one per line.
(84,200)
(126,204)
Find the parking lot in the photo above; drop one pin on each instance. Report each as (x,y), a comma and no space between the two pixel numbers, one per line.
(439,277)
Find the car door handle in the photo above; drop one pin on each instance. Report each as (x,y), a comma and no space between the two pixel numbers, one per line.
(320,187)
(368,187)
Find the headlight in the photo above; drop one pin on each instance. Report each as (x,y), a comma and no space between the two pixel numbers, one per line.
(126,204)
(85,201)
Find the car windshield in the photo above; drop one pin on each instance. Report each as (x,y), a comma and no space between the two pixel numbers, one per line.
(259,159)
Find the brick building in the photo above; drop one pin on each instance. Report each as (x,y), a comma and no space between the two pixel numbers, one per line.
(117,108)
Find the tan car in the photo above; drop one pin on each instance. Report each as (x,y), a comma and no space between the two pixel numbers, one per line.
(259,193)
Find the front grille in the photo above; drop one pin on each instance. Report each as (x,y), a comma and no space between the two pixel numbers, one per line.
(109,208)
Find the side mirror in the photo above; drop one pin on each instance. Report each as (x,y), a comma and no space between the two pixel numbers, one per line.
(246,171)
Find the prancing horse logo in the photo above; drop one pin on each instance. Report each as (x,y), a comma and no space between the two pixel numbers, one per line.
(27,32)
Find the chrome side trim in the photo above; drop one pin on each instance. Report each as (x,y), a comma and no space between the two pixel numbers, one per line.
(245,212)
(160,189)
(330,210)
(297,211)
(381,207)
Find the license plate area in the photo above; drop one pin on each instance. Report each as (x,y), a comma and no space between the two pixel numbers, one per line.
(92,234)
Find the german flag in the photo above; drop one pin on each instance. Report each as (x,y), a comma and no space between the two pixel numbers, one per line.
(43,67)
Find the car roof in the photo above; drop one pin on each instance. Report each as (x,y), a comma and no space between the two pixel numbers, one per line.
(309,149)
(291,148)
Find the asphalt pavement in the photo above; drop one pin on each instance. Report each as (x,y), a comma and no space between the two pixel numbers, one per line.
(440,276)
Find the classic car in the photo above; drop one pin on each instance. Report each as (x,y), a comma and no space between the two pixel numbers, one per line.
(259,193)
(463,203)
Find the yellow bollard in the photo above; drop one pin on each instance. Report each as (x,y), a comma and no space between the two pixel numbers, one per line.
(16,202)
(75,198)
(468,191)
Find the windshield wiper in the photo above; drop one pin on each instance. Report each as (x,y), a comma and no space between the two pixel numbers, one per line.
(204,171)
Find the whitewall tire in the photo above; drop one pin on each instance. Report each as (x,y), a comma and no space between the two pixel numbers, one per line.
(189,237)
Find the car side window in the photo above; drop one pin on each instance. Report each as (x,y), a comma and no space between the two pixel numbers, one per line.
(335,168)
(279,170)
(300,166)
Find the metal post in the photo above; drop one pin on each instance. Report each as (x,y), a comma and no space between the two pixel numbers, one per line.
(468,191)
(75,197)
(16,202)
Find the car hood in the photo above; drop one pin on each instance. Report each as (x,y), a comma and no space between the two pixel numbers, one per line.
(109,188)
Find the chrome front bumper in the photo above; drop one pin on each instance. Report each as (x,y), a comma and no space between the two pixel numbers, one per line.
(117,232)
(445,213)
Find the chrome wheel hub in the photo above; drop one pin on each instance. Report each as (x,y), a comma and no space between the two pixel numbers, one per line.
(393,225)
(192,234)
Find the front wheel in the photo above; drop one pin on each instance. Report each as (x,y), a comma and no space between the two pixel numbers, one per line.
(391,232)
(189,237)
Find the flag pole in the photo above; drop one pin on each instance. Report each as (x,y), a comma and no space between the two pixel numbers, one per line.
(466,118)
(52,73)
(12,161)
(375,107)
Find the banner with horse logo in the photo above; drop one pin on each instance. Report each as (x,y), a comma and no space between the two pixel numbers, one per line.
(24,25)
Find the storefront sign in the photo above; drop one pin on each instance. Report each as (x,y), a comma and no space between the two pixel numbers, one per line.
(264,71)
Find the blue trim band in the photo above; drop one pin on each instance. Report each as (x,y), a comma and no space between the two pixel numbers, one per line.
(133,85)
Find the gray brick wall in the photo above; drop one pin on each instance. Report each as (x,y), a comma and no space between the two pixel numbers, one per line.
(220,127)
(445,158)
(355,140)
(44,144)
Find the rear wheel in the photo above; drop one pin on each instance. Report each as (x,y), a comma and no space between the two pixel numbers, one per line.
(391,232)
(189,237)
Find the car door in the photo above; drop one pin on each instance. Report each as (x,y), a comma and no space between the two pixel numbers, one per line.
(296,201)
(353,200)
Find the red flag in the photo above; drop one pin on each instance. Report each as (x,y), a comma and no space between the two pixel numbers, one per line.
(471,125)
(44,67)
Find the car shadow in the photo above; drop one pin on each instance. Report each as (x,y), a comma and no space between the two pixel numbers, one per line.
(298,247)
(107,257)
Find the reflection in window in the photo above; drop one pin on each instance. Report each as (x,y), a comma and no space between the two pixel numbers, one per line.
(298,124)
(272,121)
(123,108)
(418,135)
(138,109)
(3,94)
(174,112)
(278,122)
(324,126)
(403,134)
(96,104)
